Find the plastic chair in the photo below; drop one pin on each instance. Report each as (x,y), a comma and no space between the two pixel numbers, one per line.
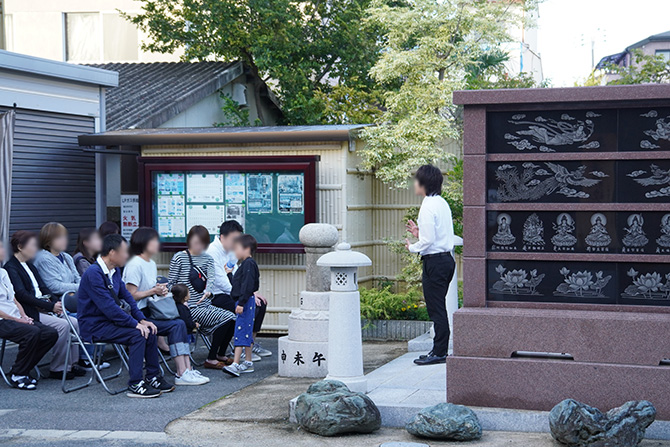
(69,302)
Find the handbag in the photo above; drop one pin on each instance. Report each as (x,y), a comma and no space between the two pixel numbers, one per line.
(121,303)
(196,276)
(163,308)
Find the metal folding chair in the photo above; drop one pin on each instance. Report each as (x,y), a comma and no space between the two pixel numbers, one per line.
(69,302)
(164,360)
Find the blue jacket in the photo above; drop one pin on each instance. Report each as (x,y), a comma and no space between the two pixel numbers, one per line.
(96,308)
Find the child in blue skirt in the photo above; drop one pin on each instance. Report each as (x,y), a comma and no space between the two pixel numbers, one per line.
(245,282)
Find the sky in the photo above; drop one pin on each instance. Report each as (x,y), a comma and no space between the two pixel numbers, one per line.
(567,27)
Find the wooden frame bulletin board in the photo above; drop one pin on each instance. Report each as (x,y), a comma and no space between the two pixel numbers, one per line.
(273,197)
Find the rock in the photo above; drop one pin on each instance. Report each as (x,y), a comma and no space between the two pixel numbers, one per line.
(446,421)
(318,235)
(329,408)
(578,425)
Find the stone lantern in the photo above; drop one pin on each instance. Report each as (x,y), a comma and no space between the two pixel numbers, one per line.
(345,345)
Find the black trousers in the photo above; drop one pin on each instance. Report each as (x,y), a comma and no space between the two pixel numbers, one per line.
(224,301)
(34,341)
(437,273)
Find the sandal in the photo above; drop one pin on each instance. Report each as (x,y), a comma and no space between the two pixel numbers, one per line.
(218,365)
(24,383)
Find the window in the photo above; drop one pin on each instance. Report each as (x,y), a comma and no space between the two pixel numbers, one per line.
(100,37)
(82,37)
(664,53)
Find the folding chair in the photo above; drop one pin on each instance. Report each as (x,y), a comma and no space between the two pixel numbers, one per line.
(164,360)
(69,302)
(3,346)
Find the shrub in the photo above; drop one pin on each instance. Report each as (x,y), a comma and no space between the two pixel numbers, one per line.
(383,304)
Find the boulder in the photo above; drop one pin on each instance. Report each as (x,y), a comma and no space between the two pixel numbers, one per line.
(578,425)
(446,421)
(329,408)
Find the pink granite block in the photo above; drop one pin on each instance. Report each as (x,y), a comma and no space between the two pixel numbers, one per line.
(474,282)
(588,336)
(474,130)
(541,384)
(474,180)
(474,231)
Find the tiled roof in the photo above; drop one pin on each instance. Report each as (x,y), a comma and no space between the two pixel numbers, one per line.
(149,94)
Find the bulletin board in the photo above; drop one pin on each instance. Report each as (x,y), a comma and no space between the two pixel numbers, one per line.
(271,197)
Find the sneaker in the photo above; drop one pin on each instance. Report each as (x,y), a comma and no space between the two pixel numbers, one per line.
(199,374)
(254,357)
(261,351)
(23,383)
(188,378)
(161,384)
(142,390)
(246,367)
(233,370)
(83,363)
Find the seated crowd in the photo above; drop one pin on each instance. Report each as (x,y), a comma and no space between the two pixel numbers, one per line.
(122,300)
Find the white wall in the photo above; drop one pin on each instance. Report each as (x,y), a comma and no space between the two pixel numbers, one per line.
(36,27)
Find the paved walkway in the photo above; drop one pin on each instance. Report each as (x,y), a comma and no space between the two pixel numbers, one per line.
(401,389)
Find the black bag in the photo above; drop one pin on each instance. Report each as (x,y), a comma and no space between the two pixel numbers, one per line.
(196,276)
(121,303)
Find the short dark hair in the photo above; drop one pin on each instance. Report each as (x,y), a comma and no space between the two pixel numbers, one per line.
(108,227)
(201,233)
(430,177)
(230,226)
(112,242)
(247,241)
(21,238)
(141,238)
(179,293)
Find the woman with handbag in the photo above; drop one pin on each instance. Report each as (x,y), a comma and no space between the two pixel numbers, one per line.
(193,268)
(140,276)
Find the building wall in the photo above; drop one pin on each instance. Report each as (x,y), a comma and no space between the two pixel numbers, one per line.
(24,18)
(207,112)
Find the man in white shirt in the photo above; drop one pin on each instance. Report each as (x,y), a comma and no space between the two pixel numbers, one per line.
(435,231)
(221,250)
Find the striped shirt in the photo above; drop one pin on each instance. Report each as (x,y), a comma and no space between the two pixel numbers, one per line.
(210,317)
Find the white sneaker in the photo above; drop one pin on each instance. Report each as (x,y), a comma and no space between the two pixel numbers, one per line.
(199,374)
(188,378)
(261,351)
(254,357)
(233,370)
(246,367)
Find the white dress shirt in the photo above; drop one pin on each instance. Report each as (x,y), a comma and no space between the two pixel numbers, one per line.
(7,304)
(436,227)
(221,283)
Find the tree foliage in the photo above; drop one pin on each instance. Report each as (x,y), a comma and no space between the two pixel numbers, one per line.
(305,50)
(432,48)
(645,69)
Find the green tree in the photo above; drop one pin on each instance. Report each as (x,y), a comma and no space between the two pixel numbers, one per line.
(645,69)
(432,48)
(305,50)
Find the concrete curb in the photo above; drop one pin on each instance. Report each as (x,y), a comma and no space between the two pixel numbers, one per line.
(79,435)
